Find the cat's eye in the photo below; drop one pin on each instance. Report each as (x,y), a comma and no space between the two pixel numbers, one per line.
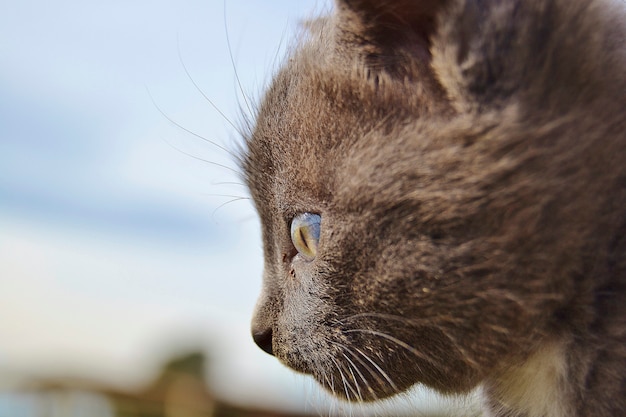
(305,234)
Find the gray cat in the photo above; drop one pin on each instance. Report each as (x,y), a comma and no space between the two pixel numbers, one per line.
(442,190)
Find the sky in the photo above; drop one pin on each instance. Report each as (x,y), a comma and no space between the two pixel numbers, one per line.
(125,232)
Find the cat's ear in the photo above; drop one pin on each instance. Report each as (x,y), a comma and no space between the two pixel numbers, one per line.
(391,28)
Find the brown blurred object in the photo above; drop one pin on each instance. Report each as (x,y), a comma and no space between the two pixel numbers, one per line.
(181,390)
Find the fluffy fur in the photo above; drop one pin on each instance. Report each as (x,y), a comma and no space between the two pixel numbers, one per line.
(468,161)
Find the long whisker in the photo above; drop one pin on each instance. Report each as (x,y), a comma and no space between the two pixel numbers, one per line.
(378,368)
(191,132)
(413,322)
(280,47)
(343,379)
(193,81)
(228,183)
(346,384)
(356,384)
(199,158)
(226,195)
(232,61)
(395,340)
(365,382)
(378,380)
(330,382)
(379,315)
(226,203)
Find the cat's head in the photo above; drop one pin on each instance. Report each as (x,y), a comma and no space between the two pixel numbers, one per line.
(409,225)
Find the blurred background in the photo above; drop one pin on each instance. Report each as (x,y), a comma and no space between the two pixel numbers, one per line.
(130,256)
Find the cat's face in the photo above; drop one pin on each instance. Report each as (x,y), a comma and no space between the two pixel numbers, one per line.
(401,236)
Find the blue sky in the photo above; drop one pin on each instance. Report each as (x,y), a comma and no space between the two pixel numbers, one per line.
(115,245)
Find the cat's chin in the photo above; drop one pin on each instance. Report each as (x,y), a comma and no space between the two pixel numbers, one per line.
(347,381)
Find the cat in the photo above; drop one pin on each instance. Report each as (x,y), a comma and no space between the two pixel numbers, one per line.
(442,192)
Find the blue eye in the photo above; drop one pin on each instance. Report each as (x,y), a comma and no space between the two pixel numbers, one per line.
(305,234)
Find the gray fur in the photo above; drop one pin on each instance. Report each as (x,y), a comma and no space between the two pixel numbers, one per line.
(468,159)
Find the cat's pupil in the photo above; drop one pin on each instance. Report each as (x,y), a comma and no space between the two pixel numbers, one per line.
(303,238)
(305,233)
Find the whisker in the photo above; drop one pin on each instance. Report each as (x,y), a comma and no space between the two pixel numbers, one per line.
(280,46)
(201,91)
(385,316)
(365,382)
(232,61)
(239,197)
(228,183)
(356,385)
(199,158)
(191,132)
(414,322)
(343,379)
(346,384)
(348,350)
(226,203)
(330,382)
(382,373)
(395,340)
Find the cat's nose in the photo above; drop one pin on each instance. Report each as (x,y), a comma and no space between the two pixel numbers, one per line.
(263,338)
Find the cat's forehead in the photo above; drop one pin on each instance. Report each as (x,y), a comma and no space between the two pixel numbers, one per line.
(325,103)
(289,149)
(304,126)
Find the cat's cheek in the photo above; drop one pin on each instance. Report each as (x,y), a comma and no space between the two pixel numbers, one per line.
(303,273)
(301,327)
